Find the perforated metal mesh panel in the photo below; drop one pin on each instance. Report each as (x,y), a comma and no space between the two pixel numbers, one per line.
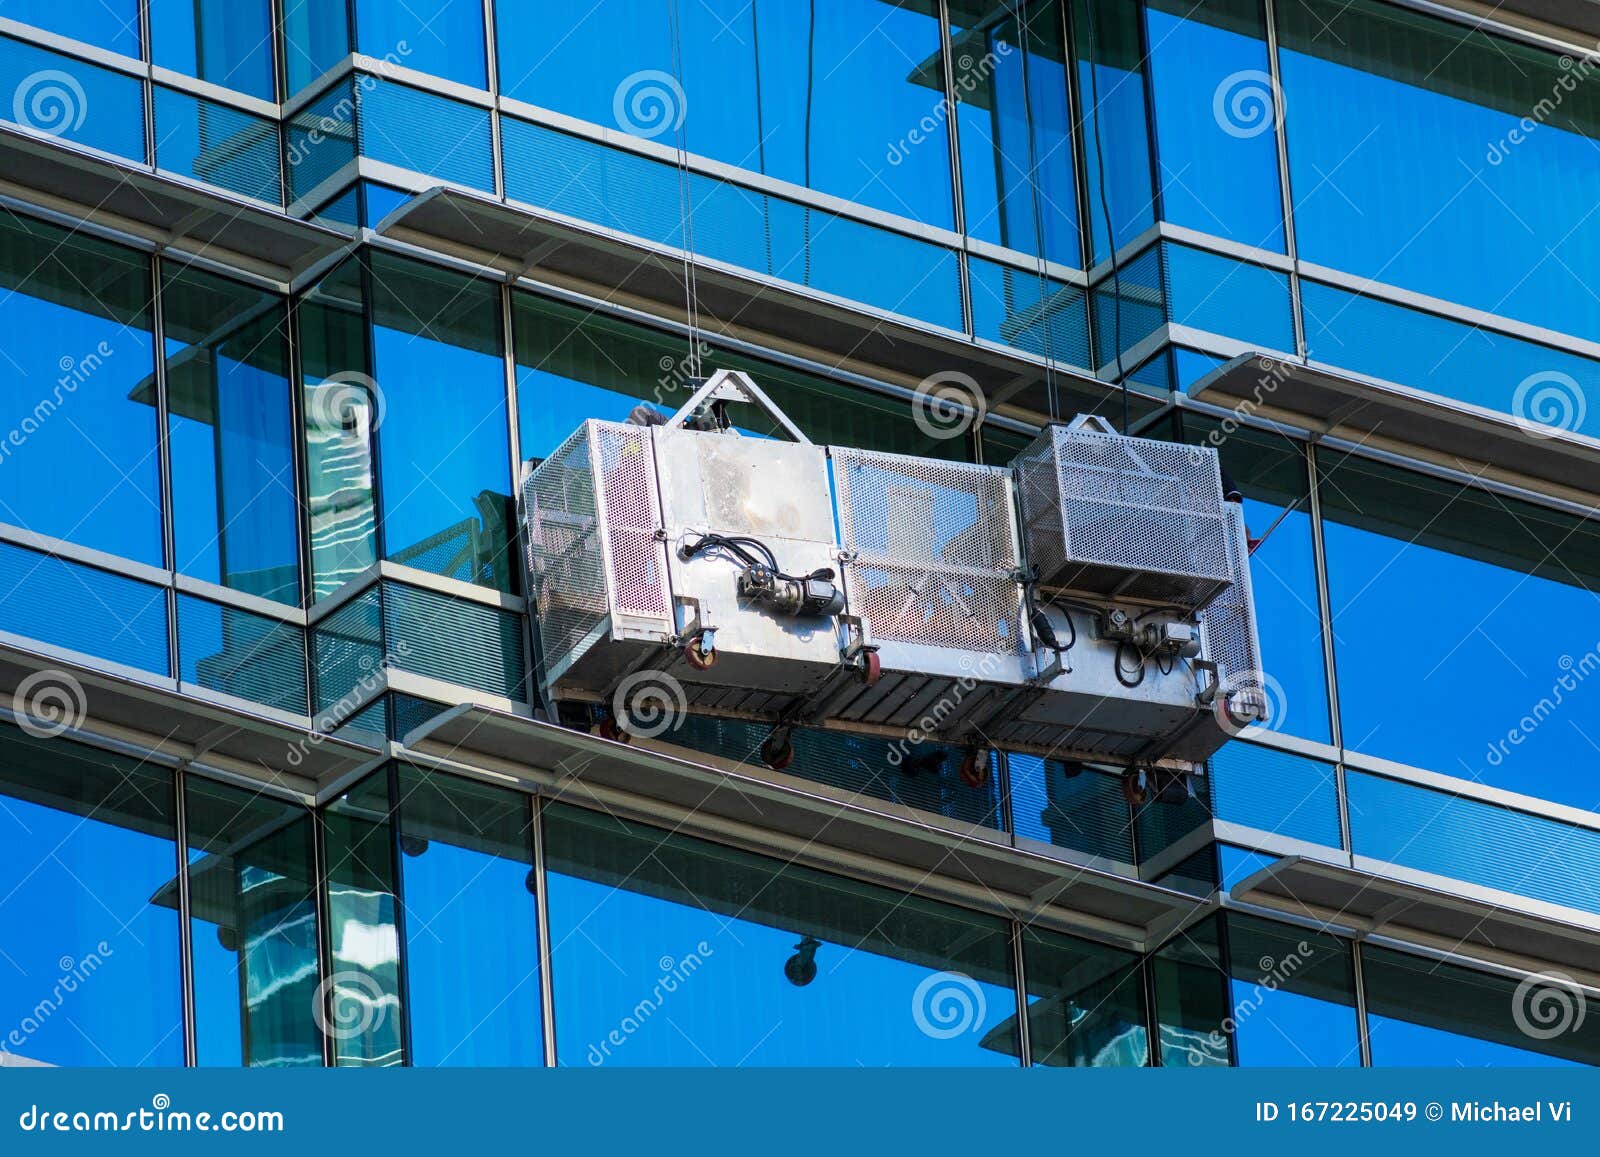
(1227,626)
(625,458)
(935,550)
(565,561)
(1112,515)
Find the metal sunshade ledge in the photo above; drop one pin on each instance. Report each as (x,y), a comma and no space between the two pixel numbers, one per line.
(88,184)
(1352,406)
(124,712)
(523,242)
(1365,904)
(872,840)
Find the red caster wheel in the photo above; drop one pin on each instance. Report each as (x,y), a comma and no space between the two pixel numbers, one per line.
(777,750)
(975,767)
(610,730)
(871,668)
(1135,788)
(701,659)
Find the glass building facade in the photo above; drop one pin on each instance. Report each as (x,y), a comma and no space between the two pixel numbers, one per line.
(282,492)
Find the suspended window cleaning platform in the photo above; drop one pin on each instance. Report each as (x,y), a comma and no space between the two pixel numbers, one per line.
(1089,602)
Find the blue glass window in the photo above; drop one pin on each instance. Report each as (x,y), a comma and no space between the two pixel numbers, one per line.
(1216,113)
(1086,1005)
(1017,176)
(442,37)
(253,926)
(1216,294)
(1072,806)
(670,951)
(112,24)
(218,144)
(231,434)
(316,36)
(1406,548)
(114,617)
(1293,995)
(1115,126)
(80,394)
(1192,999)
(72,99)
(467,867)
(1022,308)
(1410,142)
(443,432)
(243,654)
(227,42)
(1273,791)
(89,916)
(423,131)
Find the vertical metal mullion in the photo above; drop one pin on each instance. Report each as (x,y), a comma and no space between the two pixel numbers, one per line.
(1158,208)
(547,991)
(1152,1013)
(401,946)
(1225,963)
(191,1051)
(1319,556)
(370,348)
(1280,130)
(953,139)
(147,85)
(169,551)
(319,853)
(491,49)
(1019,970)
(1358,974)
(302,472)
(1076,118)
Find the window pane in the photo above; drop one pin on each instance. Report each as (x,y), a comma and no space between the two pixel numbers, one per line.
(423,131)
(316,36)
(341,408)
(442,37)
(76,101)
(1116,131)
(446,455)
(112,24)
(1397,544)
(362,1014)
(1085,1003)
(673,951)
(80,392)
(1412,138)
(815,93)
(218,144)
(1215,119)
(1017,175)
(467,868)
(1192,999)
(231,435)
(253,905)
(89,917)
(1421,1012)
(1293,996)
(228,42)
(240,653)
(1072,806)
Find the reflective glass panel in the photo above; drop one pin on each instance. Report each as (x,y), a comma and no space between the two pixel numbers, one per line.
(671,951)
(1086,1005)
(445,443)
(362,1013)
(79,394)
(1293,994)
(228,42)
(231,434)
(68,98)
(1115,125)
(89,969)
(1421,1012)
(1192,1000)
(316,36)
(112,24)
(467,867)
(253,923)
(442,37)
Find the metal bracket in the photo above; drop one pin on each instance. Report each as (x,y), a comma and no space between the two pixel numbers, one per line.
(735,386)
